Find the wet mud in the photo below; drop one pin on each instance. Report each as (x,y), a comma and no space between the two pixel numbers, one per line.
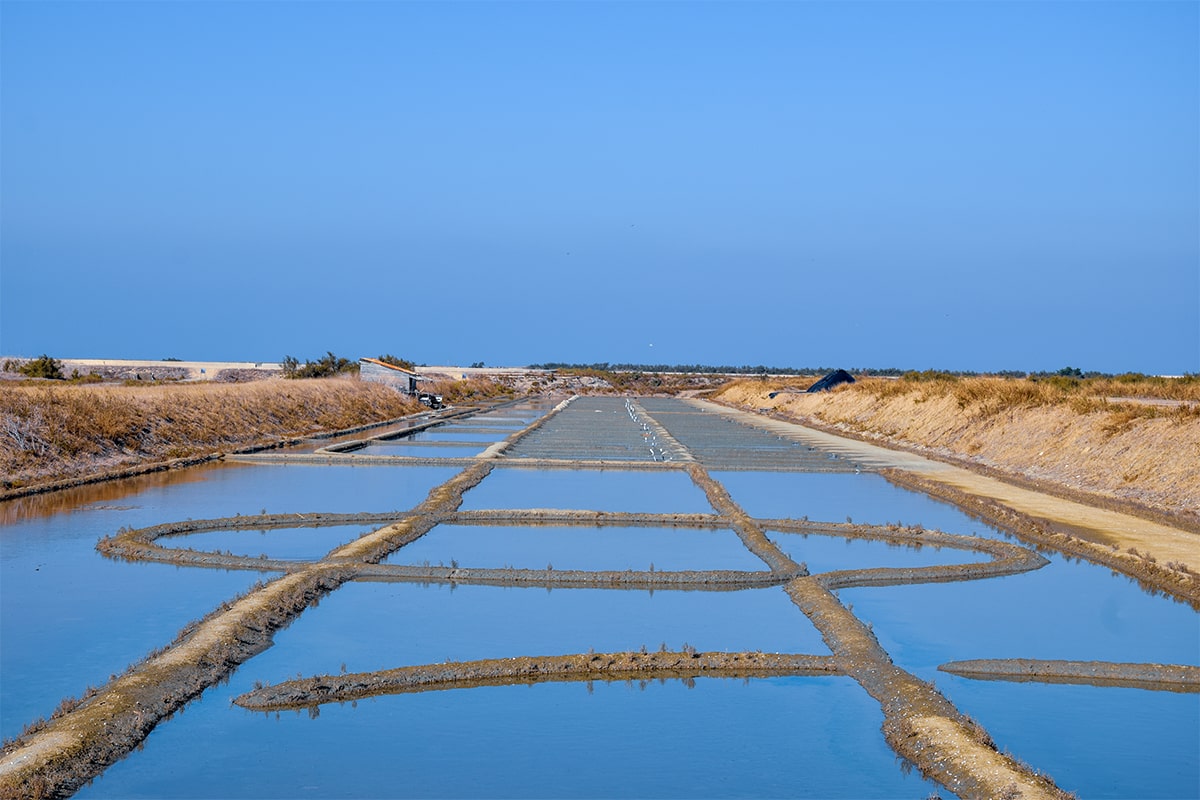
(1157,677)
(528,670)
(1174,579)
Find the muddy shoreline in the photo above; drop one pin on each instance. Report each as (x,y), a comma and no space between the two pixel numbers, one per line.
(1157,677)
(528,670)
(1174,580)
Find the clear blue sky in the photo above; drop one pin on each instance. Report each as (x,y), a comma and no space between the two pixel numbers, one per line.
(953,185)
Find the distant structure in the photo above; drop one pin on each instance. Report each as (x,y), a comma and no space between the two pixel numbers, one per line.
(376,371)
(835,378)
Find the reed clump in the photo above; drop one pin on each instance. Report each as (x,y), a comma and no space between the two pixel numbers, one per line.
(59,431)
(469,390)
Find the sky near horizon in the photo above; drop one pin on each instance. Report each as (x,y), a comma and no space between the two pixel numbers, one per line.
(969,186)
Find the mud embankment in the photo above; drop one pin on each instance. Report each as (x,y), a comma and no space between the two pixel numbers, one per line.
(308,692)
(1157,677)
(919,723)
(1172,578)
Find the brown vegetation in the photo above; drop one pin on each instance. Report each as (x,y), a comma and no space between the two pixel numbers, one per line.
(56,431)
(1058,431)
(468,390)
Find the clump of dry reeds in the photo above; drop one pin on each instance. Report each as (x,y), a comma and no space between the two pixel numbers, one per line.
(470,389)
(55,431)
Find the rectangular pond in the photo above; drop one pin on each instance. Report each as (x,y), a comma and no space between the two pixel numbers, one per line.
(665,492)
(296,544)
(821,553)
(844,497)
(780,737)
(72,617)
(370,625)
(403,447)
(606,547)
(1096,741)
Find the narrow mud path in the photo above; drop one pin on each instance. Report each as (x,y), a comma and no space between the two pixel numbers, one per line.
(1158,677)
(307,692)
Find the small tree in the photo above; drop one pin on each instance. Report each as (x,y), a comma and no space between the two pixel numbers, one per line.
(330,364)
(43,367)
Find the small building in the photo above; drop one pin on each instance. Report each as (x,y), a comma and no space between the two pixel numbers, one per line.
(399,378)
(835,378)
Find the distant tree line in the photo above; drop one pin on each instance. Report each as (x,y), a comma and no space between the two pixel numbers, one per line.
(707,369)
(888,372)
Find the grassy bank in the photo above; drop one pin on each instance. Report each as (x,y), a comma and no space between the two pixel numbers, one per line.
(1103,437)
(52,431)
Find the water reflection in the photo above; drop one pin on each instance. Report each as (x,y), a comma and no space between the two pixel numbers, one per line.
(299,544)
(1096,742)
(372,626)
(1104,742)
(720,738)
(828,553)
(104,496)
(840,497)
(428,450)
(582,548)
(72,617)
(594,490)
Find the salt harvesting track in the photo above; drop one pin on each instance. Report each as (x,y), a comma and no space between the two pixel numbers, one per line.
(652,434)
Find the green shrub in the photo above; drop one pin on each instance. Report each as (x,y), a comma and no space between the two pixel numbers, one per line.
(42,367)
(329,364)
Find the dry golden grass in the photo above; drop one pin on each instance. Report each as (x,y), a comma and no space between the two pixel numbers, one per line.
(470,389)
(1063,432)
(52,431)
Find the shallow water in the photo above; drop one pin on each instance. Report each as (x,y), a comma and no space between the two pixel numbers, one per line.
(447,434)
(761,737)
(720,738)
(71,617)
(843,497)
(427,450)
(296,544)
(592,490)
(1066,610)
(1099,742)
(1096,741)
(370,625)
(582,548)
(822,553)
